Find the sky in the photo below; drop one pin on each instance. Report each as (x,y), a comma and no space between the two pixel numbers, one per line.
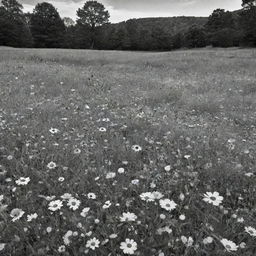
(121,10)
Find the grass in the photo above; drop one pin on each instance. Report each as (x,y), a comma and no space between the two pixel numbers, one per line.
(192,115)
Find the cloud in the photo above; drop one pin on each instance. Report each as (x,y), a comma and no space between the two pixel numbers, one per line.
(125,9)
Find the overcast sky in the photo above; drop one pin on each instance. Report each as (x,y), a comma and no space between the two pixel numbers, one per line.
(121,10)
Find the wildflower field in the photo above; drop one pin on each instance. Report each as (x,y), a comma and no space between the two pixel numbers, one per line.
(127,153)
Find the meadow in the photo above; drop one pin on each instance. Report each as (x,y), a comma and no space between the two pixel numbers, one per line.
(127,153)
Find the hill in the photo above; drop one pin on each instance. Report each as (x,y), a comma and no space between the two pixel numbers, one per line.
(146,33)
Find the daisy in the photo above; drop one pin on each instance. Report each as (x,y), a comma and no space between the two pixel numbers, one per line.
(208,240)
(106,205)
(16,214)
(22,181)
(158,195)
(167,204)
(66,237)
(51,165)
(148,197)
(2,246)
(77,151)
(91,196)
(128,216)
(213,198)
(93,243)
(31,217)
(182,217)
(129,246)
(73,203)
(166,229)
(54,130)
(167,168)
(136,148)
(66,196)
(251,231)
(102,129)
(85,212)
(135,182)
(62,248)
(229,245)
(61,179)
(110,175)
(187,241)
(120,170)
(113,236)
(55,205)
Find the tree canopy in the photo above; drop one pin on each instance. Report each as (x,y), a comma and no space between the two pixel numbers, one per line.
(46,26)
(93,14)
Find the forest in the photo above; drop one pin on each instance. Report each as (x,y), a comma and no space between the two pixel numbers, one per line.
(44,28)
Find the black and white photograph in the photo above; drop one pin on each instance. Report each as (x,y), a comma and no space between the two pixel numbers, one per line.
(128,127)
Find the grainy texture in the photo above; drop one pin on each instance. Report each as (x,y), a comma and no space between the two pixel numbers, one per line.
(191,112)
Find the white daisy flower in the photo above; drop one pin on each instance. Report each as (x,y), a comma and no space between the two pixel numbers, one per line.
(129,246)
(55,205)
(110,175)
(136,148)
(229,245)
(51,165)
(213,198)
(62,248)
(102,129)
(66,196)
(54,130)
(31,217)
(187,241)
(158,195)
(66,237)
(2,246)
(91,196)
(167,204)
(251,231)
(128,216)
(22,181)
(106,205)
(166,229)
(16,214)
(208,240)
(93,243)
(120,170)
(85,212)
(73,203)
(147,196)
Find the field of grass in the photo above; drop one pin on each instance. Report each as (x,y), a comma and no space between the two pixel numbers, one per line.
(97,148)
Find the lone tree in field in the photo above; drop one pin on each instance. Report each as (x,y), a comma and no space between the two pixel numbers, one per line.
(93,15)
(47,27)
(14,30)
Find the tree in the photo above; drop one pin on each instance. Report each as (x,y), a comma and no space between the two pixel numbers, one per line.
(248,22)
(94,15)
(220,19)
(195,37)
(14,30)
(248,3)
(47,27)
(68,22)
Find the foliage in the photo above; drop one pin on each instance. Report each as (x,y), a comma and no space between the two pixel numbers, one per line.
(46,26)
(14,30)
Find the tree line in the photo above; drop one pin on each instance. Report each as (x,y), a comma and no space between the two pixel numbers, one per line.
(44,28)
